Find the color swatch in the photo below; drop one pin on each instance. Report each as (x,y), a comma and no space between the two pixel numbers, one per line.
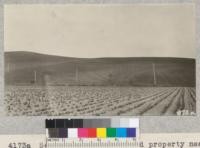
(111,132)
(101,133)
(92,128)
(121,132)
(92,132)
(82,132)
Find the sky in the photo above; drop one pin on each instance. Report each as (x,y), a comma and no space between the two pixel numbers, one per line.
(88,31)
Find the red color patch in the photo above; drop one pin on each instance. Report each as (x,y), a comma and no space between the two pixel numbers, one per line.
(92,133)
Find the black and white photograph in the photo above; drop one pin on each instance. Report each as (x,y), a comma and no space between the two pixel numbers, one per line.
(99,60)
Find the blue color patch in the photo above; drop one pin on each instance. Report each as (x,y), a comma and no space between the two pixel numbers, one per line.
(121,132)
(131,132)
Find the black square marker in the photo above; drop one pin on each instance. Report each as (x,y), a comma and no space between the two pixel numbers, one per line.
(50,123)
(77,123)
(53,133)
(60,123)
(68,123)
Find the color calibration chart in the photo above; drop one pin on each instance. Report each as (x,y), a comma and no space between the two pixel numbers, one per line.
(114,132)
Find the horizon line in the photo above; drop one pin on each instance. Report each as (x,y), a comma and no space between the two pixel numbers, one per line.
(100,57)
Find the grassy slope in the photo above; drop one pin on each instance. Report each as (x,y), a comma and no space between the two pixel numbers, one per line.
(98,71)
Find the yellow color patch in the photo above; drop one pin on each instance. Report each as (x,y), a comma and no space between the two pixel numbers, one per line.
(101,132)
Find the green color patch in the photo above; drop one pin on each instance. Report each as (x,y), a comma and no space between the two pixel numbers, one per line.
(111,132)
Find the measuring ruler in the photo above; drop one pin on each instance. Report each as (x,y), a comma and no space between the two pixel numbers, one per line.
(90,143)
